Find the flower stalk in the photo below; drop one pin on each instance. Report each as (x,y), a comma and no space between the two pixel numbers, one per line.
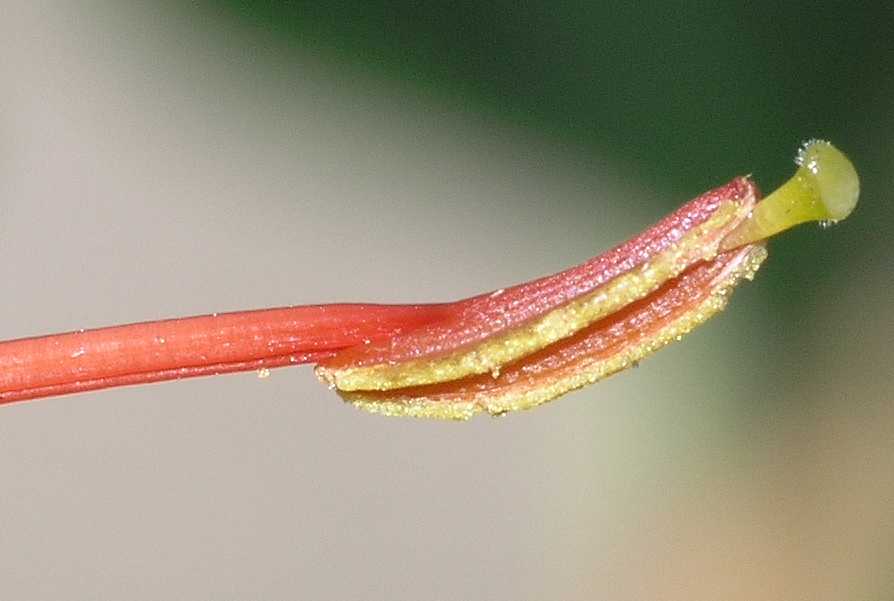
(511,349)
(173,349)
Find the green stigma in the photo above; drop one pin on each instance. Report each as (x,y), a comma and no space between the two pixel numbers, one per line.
(825,188)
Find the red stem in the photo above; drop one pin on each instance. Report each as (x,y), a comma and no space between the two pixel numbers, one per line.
(196,346)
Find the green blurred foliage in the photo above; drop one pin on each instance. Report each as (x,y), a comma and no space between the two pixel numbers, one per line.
(679,89)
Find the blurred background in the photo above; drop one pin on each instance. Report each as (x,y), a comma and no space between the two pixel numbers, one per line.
(174,159)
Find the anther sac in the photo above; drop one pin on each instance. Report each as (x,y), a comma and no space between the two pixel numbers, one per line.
(520,347)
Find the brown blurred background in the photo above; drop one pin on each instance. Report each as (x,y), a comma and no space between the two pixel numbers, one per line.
(165,161)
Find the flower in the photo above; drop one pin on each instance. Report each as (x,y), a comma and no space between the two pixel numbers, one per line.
(513,348)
